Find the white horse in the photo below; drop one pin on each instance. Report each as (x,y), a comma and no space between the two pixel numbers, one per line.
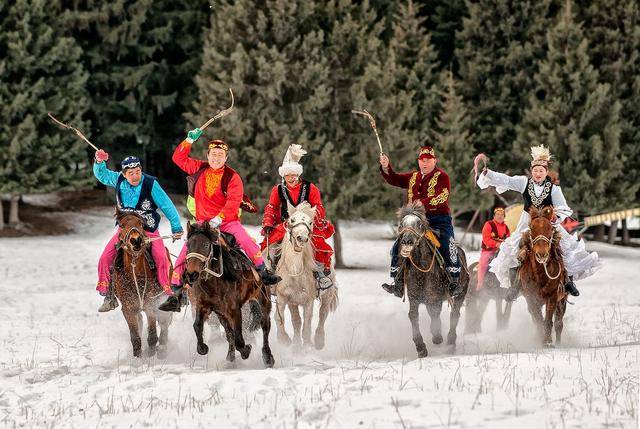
(299,287)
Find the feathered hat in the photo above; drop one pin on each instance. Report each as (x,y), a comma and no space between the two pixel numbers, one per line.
(540,156)
(291,162)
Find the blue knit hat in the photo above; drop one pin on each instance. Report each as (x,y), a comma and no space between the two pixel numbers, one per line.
(130,162)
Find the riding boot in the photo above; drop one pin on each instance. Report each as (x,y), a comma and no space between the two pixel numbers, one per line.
(110,301)
(571,288)
(397,286)
(323,278)
(514,289)
(268,277)
(455,288)
(173,302)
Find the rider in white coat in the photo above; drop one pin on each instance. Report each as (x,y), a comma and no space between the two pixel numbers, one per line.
(537,191)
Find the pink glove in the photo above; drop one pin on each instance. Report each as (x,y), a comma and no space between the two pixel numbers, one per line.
(101,156)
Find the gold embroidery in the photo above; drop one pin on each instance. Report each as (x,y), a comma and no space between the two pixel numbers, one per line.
(213,179)
(444,195)
(432,184)
(412,182)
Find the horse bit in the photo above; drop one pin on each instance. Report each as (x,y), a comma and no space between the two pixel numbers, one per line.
(206,260)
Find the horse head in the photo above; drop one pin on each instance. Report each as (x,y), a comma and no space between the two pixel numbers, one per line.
(300,224)
(412,226)
(541,233)
(201,241)
(132,236)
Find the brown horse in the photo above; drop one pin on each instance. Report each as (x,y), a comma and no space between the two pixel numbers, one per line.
(477,301)
(222,280)
(136,286)
(425,277)
(542,274)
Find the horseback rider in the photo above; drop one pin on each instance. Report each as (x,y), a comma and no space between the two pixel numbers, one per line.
(537,191)
(494,232)
(142,194)
(430,185)
(218,193)
(292,191)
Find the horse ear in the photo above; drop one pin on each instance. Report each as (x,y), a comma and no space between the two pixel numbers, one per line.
(534,212)
(547,212)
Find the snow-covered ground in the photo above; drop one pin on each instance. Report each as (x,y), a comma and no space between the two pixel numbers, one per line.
(64,365)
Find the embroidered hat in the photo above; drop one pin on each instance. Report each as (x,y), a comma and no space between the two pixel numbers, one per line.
(498,210)
(426,152)
(291,162)
(217,144)
(540,156)
(130,162)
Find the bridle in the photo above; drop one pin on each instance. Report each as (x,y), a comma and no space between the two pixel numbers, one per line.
(545,259)
(421,235)
(206,260)
(290,228)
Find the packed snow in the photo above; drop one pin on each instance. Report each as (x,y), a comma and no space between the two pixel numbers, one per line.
(64,365)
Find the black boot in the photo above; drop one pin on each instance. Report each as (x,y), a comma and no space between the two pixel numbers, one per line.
(514,289)
(571,288)
(455,288)
(173,302)
(268,277)
(110,303)
(397,287)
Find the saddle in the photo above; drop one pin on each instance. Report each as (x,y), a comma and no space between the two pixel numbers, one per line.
(239,260)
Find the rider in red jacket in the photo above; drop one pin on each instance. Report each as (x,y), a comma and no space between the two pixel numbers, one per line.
(494,232)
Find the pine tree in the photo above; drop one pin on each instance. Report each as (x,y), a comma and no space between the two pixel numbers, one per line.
(444,23)
(499,46)
(577,117)
(41,72)
(455,150)
(142,57)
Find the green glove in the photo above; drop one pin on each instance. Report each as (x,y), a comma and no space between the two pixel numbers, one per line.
(194,134)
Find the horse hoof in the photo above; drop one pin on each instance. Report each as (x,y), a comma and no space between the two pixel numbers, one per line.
(422,352)
(285,340)
(437,339)
(548,345)
(230,364)
(246,351)
(203,349)
(451,339)
(151,351)
(162,353)
(319,342)
(268,360)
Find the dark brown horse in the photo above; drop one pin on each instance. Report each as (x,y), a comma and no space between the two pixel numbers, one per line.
(137,288)
(477,301)
(542,274)
(223,280)
(425,276)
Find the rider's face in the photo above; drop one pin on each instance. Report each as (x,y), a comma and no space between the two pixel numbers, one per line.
(538,173)
(426,165)
(498,217)
(291,179)
(133,175)
(217,158)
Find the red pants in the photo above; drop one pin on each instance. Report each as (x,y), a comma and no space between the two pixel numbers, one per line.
(322,251)
(483,265)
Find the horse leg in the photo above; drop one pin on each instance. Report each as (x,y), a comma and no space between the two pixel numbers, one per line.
(506,315)
(307,313)
(265,307)
(198,327)
(561,308)
(134,331)
(434,311)
(325,306)
(550,308)
(152,332)
(483,302)
(241,346)
(283,337)
(535,309)
(164,319)
(231,340)
(414,316)
(296,321)
(454,317)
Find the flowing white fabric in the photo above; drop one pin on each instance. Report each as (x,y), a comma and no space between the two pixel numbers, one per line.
(578,262)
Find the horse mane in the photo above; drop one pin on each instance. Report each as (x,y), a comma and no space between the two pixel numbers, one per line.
(414,208)
(121,214)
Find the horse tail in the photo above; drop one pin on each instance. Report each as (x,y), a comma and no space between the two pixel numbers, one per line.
(330,299)
(256,315)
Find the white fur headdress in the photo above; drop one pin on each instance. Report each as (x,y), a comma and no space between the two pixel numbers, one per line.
(540,156)
(291,162)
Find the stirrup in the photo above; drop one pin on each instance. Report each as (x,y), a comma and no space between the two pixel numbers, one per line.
(171,304)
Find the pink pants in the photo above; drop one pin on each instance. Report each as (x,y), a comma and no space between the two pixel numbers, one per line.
(483,265)
(246,243)
(109,255)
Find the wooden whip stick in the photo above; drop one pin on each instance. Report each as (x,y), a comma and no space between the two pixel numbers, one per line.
(75,130)
(221,113)
(373,125)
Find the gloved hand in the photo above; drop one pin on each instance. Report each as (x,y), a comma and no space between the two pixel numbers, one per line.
(266,230)
(215,222)
(101,156)
(194,134)
(176,236)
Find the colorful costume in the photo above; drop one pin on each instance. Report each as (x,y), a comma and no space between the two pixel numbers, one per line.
(493,234)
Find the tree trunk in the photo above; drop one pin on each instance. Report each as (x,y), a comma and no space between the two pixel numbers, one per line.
(337,245)
(598,233)
(626,240)
(613,231)
(14,220)
(1,215)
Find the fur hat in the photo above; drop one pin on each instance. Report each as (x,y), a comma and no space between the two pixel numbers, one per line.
(540,156)
(291,162)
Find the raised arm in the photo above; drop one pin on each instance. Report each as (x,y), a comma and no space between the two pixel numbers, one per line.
(165,204)
(182,159)
(104,175)
(502,182)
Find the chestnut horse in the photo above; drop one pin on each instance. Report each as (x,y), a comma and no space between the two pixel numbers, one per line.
(222,280)
(542,274)
(136,286)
